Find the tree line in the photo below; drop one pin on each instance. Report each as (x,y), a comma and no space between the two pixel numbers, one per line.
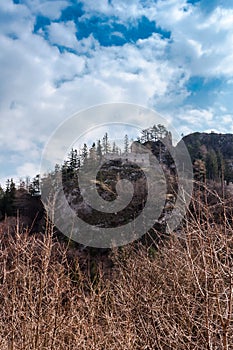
(7,195)
(213,167)
(207,163)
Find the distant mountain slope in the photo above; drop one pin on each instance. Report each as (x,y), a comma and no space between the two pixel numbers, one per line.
(197,144)
(215,150)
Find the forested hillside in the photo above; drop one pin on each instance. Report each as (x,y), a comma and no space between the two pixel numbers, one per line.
(162,291)
(211,155)
(212,151)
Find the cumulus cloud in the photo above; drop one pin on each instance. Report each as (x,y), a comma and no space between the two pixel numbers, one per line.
(49,75)
(63,34)
(15,20)
(47,8)
(28,169)
(202,43)
(124,10)
(196,116)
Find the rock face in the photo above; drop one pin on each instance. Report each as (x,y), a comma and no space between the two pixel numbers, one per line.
(202,147)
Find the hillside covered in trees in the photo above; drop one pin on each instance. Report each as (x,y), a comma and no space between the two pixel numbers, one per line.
(211,155)
(160,292)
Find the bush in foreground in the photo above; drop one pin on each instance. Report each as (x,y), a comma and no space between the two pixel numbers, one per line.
(177,297)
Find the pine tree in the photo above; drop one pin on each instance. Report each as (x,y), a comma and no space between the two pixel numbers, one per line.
(162,131)
(64,171)
(92,152)
(57,169)
(99,152)
(34,188)
(126,144)
(22,185)
(211,165)
(146,135)
(27,183)
(114,148)
(106,144)
(221,164)
(154,133)
(8,199)
(84,153)
(73,161)
(228,173)
(2,194)
(199,170)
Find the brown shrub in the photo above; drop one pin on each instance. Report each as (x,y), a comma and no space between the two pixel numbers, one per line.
(178,297)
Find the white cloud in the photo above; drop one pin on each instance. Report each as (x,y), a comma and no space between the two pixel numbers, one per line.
(189,119)
(221,19)
(15,20)
(172,13)
(63,34)
(196,116)
(118,34)
(40,86)
(227,119)
(203,44)
(27,169)
(47,8)
(46,86)
(124,10)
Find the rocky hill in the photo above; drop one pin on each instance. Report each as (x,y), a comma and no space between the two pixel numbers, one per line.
(211,154)
(215,150)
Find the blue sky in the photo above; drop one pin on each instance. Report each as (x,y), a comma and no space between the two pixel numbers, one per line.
(58,57)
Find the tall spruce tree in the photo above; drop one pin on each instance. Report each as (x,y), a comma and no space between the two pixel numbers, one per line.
(106,144)
(99,150)
(211,165)
(126,144)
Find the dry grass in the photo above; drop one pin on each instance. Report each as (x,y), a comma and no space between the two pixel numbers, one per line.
(178,297)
